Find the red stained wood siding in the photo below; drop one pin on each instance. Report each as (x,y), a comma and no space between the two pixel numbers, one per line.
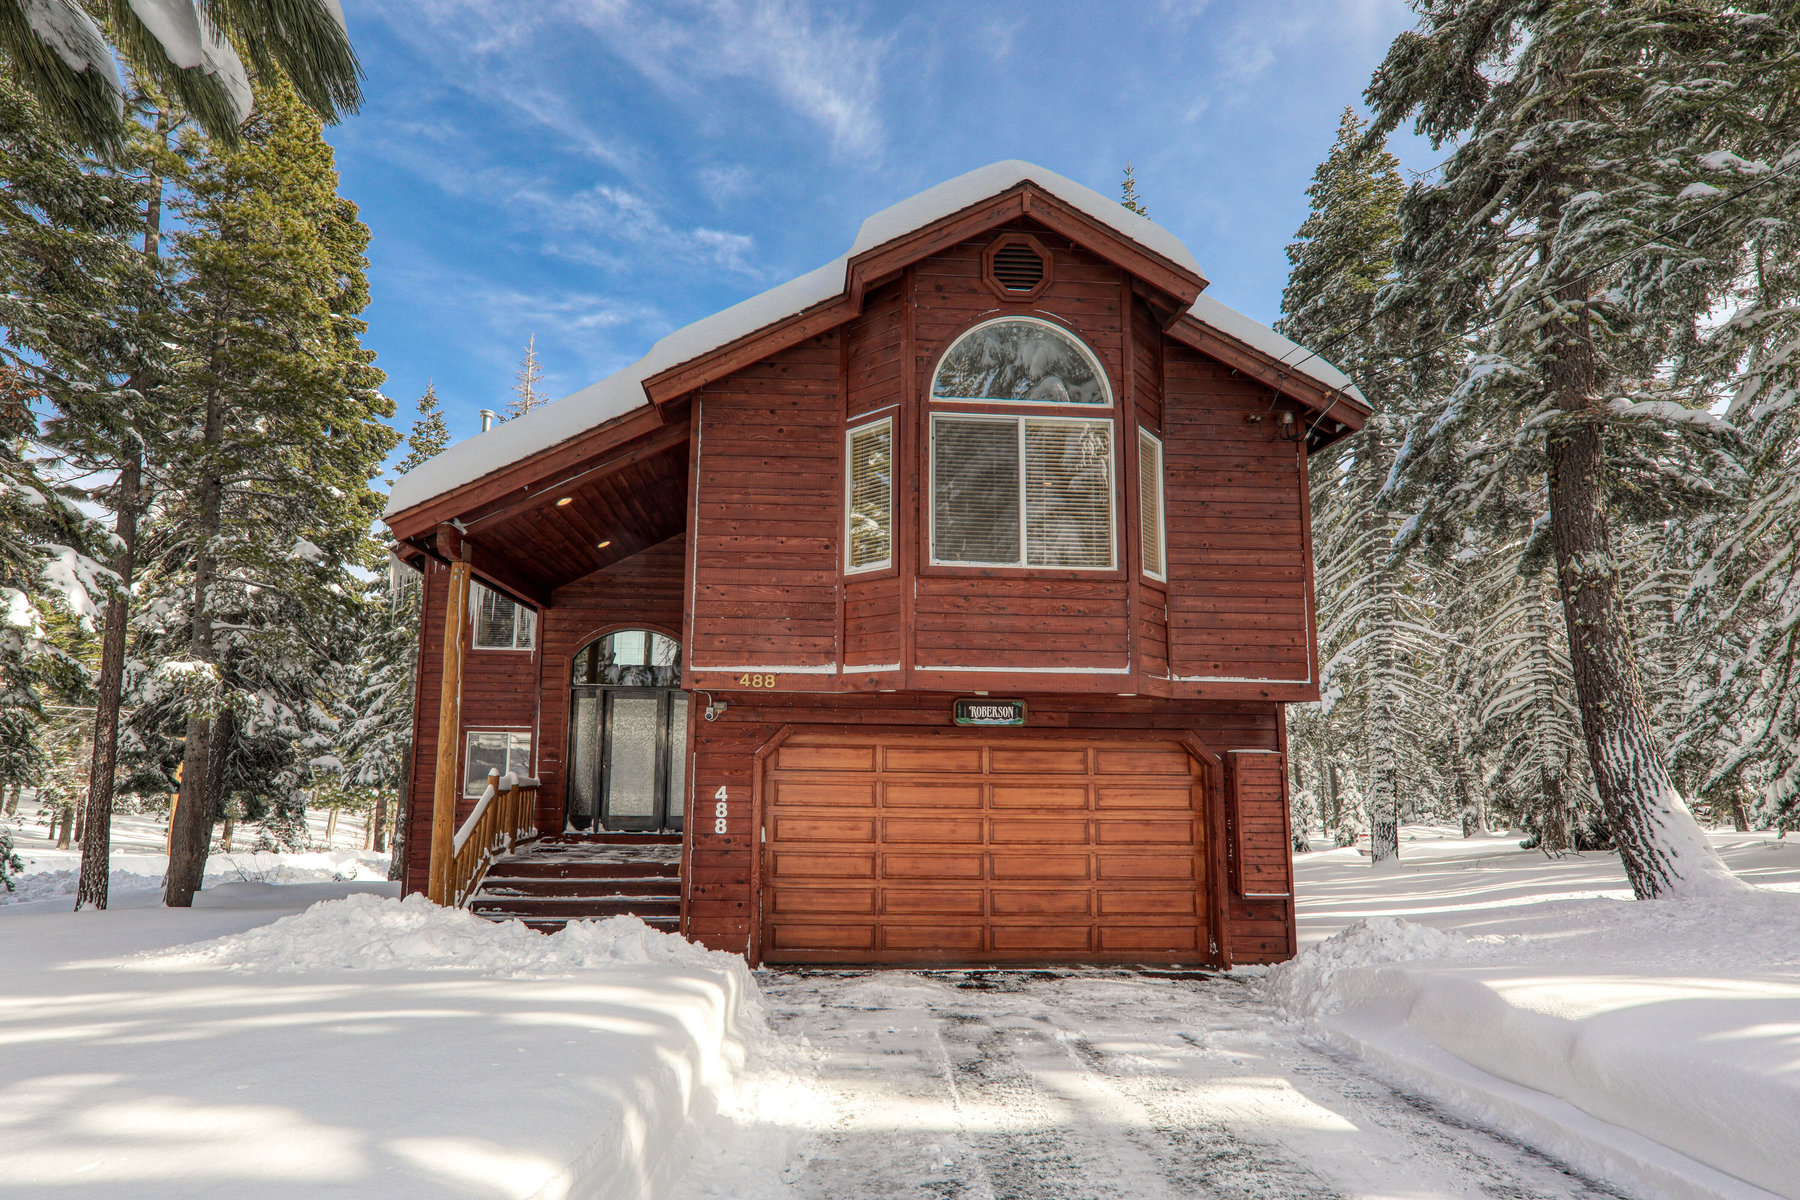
(1240,580)
(1261,870)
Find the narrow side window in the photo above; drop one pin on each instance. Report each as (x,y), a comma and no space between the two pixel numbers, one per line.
(869,498)
(1150,505)
(501,624)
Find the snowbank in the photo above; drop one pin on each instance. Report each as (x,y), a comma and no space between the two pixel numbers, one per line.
(145,873)
(1654,1044)
(250,1046)
(365,932)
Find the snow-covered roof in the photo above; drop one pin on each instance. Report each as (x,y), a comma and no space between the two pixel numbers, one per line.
(623,391)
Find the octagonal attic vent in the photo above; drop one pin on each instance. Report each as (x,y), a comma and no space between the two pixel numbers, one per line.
(1017,267)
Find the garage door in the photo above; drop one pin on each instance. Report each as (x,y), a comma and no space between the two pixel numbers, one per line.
(983,849)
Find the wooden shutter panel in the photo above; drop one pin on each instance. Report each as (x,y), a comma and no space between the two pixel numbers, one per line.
(1150,504)
(870,535)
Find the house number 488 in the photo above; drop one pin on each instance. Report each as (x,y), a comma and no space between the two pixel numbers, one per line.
(721,805)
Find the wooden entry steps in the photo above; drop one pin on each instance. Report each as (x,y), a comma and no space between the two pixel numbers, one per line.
(555,880)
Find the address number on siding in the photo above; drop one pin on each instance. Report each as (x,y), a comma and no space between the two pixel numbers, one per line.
(721,808)
(756,681)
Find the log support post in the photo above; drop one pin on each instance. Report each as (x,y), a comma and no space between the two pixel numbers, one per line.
(447,785)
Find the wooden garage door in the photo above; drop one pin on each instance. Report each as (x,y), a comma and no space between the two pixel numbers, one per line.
(983,849)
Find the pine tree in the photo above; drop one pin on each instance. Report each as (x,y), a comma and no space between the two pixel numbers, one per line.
(526,393)
(255,593)
(1577,240)
(429,434)
(1128,193)
(64,59)
(1372,606)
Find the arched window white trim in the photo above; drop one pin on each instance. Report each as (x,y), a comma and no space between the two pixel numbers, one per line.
(1020,360)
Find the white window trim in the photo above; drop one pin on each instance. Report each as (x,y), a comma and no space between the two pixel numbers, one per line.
(1018,422)
(849,485)
(1087,353)
(475,590)
(1162,505)
(508,733)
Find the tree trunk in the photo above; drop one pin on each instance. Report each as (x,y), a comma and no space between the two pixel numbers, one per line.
(1462,782)
(378,823)
(1740,816)
(331,819)
(402,807)
(230,827)
(60,825)
(12,800)
(1554,836)
(1661,845)
(96,839)
(190,829)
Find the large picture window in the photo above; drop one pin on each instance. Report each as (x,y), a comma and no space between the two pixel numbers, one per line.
(1020,360)
(1022,491)
(501,624)
(493,750)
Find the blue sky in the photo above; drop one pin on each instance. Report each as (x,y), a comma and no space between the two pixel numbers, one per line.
(599,172)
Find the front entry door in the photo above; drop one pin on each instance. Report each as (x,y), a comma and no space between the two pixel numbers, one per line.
(627,736)
(641,765)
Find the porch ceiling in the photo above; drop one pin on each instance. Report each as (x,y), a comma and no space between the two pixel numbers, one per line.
(533,545)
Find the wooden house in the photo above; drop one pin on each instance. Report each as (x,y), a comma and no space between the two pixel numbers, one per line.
(938,606)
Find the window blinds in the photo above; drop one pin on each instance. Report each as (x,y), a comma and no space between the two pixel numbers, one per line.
(870,535)
(1020,491)
(1068,493)
(1150,504)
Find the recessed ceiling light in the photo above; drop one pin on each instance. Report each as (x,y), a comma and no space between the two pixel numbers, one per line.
(604,545)
(564,500)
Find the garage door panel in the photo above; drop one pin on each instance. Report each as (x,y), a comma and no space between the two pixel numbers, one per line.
(850,792)
(1143,761)
(931,866)
(836,830)
(1017,830)
(1040,937)
(1147,902)
(1146,866)
(1155,938)
(1117,795)
(987,846)
(938,760)
(1009,761)
(1040,903)
(1041,866)
(956,831)
(800,865)
(797,901)
(919,901)
(966,938)
(1040,796)
(784,936)
(1147,832)
(825,758)
(930,795)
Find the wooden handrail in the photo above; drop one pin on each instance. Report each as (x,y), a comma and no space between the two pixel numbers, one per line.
(505,815)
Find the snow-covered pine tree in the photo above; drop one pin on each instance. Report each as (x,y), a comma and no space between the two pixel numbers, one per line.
(64,58)
(1581,236)
(1128,193)
(1374,635)
(257,599)
(527,394)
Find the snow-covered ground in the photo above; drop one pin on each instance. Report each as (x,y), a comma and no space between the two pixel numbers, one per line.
(265,1044)
(1505,1025)
(1655,1044)
(139,860)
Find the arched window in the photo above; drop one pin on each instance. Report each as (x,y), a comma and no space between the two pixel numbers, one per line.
(628,723)
(1021,489)
(1020,360)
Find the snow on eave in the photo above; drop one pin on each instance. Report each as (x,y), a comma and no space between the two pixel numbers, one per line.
(536,431)
(1290,355)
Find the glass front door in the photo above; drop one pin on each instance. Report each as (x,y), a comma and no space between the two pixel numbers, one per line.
(627,736)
